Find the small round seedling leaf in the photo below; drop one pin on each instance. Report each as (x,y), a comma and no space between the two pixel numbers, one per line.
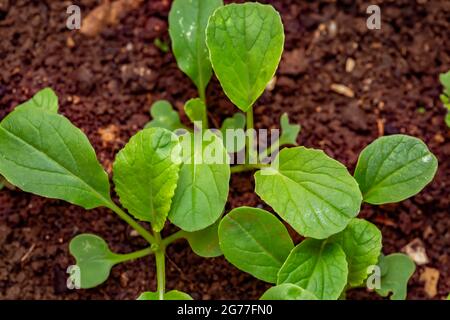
(230,130)
(394,168)
(205,243)
(202,189)
(314,193)
(146,175)
(287,291)
(317,266)
(255,241)
(245,43)
(187,25)
(361,242)
(43,153)
(396,269)
(196,111)
(171,295)
(93,258)
(45,99)
(164,116)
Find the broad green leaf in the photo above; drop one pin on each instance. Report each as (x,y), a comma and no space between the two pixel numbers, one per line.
(289,132)
(317,266)
(43,153)
(394,168)
(2,185)
(164,116)
(444,78)
(229,128)
(255,241)
(171,295)
(187,25)
(287,291)
(196,111)
(146,175)
(361,242)
(93,258)
(205,243)
(202,189)
(312,192)
(396,269)
(245,43)
(45,99)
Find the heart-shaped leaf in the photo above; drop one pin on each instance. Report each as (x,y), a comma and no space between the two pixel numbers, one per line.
(317,266)
(245,43)
(43,153)
(93,258)
(187,25)
(396,269)
(361,242)
(171,295)
(146,175)
(45,99)
(205,243)
(312,192)
(202,189)
(255,241)
(164,116)
(394,168)
(287,291)
(229,129)
(196,111)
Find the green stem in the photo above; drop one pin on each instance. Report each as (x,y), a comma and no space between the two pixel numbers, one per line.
(173,237)
(250,141)
(202,96)
(134,224)
(247,167)
(160,267)
(134,255)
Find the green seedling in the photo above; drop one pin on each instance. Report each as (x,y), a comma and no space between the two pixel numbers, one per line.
(156,180)
(445,96)
(43,153)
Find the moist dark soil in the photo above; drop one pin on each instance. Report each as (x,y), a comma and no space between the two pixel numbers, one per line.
(107,84)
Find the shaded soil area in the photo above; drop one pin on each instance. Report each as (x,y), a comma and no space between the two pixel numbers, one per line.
(106,85)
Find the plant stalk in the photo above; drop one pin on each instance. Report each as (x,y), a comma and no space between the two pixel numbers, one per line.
(160,267)
(134,255)
(250,138)
(134,224)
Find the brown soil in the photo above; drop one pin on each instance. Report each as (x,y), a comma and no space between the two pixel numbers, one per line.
(106,85)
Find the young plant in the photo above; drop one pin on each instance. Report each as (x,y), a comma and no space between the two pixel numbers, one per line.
(445,96)
(43,153)
(158,174)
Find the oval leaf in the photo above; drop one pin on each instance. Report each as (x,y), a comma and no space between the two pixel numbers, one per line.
(171,295)
(287,291)
(145,175)
(312,192)
(396,269)
(231,127)
(361,242)
(202,189)
(196,111)
(245,43)
(187,25)
(45,99)
(317,266)
(205,243)
(394,168)
(93,258)
(43,153)
(164,116)
(255,241)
